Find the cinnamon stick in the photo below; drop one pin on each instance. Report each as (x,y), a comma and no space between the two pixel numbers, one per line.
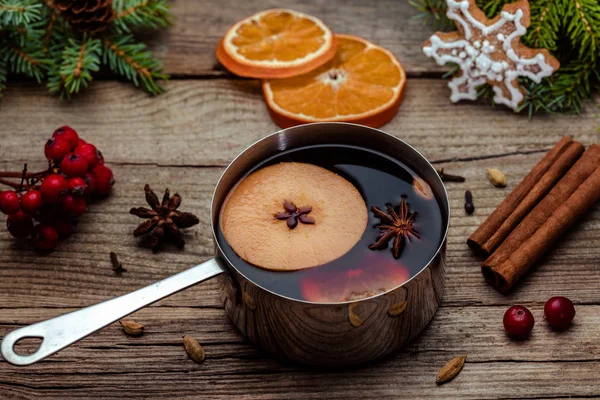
(574,194)
(525,196)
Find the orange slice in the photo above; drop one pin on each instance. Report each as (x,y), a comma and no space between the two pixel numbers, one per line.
(363,84)
(276,44)
(250,223)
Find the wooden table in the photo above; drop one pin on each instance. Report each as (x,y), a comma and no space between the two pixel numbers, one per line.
(184,138)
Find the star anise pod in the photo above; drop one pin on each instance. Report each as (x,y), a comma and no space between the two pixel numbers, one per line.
(294,214)
(394,225)
(163,219)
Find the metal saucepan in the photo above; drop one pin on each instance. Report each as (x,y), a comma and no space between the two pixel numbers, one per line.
(312,333)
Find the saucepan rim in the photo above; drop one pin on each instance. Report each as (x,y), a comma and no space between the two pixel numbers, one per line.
(230,264)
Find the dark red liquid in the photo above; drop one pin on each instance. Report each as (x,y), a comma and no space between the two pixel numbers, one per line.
(361,272)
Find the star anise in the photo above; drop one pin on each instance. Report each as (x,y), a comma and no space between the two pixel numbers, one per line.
(294,214)
(163,219)
(394,225)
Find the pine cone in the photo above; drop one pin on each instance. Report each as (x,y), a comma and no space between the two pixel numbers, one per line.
(91,16)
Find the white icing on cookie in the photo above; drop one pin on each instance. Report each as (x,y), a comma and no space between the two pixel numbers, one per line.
(476,59)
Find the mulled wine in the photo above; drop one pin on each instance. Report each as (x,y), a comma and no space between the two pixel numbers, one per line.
(402,231)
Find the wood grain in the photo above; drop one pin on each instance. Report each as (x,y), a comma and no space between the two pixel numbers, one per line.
(188,48)
(184,139)
(208,122)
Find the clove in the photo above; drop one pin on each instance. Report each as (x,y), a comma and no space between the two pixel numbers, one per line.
(449,177)
(116,265)
(469,207)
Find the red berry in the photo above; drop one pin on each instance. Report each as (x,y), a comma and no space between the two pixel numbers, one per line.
(90,181)
(77,186)
(104,180)
(63,227)
(68,133)
(53,188)
(518,322)
(9,202)
(48,213)
(31,202)
(56,149)
(559,312)
(19,225)
(90,152)
(44,237)
(81,142)
(74,165)
(78,206)
(66,204)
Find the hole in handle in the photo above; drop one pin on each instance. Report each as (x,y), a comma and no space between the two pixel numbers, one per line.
(27,345)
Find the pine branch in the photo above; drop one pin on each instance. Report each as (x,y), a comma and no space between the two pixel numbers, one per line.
(140,14)
(491,8)
(130,59)
(433,12)
(584,26)
(545,22)
(29,60)
(79,59)
(19,12)
(3,72)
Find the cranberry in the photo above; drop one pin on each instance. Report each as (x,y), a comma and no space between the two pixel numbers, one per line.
(63,227)
(81,142)
(559,312)
(68,133)
(104,180)
(9,202)
(90,181)
(518,322)
(19,225)
(90,152)
(31,202)
(77,186)
(44,237)
(56,149)
(74,165)
(53,188)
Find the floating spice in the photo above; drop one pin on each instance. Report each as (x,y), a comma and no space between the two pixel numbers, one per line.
(194,349)
(294,214)
(394,225)
(450,370)
(354,319)
(132,328)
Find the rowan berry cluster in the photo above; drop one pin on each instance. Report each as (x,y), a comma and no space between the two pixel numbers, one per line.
(45,205)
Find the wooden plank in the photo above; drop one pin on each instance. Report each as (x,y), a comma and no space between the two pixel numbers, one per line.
(110,364)
(208,122)
(79,272)
(187,49)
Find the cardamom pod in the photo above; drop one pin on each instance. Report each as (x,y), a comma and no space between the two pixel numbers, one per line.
(132,328)
(193,349)
(354,319)
(397,309)
(450,370)
(496,177)
(250,303)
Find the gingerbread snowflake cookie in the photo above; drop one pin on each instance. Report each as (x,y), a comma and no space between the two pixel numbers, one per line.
(489,51)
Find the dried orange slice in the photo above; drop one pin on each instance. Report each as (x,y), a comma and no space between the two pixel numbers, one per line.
(330,217)
(363,83)
(276,44)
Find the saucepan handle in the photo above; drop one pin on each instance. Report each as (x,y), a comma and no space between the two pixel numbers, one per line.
(60,332)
